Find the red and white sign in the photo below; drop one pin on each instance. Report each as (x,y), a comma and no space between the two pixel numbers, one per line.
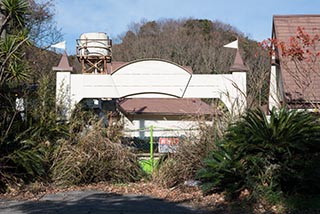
(168,145)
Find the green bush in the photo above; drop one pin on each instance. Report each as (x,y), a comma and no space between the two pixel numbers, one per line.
(21,162)
(266,156)
(221,172)
(26,145)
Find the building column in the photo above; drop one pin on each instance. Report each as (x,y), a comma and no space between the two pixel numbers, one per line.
(274,91)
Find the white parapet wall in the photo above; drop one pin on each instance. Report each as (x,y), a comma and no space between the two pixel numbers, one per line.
(152,79)
(161,128)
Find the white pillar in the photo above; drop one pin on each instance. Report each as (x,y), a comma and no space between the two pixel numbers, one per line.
(240,92)
(274,90)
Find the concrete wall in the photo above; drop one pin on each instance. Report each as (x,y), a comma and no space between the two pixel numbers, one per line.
(161,128)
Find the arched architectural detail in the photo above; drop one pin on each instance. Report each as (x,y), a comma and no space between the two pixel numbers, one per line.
(152,63)
(158,77)
(150,94)
(152,78)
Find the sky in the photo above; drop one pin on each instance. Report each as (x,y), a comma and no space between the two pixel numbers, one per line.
(252,17)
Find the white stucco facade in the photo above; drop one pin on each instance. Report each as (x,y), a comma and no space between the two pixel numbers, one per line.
(152,79)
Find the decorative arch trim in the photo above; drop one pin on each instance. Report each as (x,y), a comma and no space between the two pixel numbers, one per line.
(151,60)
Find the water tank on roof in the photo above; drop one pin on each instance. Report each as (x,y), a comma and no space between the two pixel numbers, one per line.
(94,52)
(94,45)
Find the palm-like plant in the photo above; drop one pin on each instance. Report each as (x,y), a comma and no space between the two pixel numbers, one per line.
(13,36)
(12,67)
(13,70)
(21,158)
(275,152)
(14,14)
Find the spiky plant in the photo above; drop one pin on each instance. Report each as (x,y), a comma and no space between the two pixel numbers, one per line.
(14,12)
(275,153)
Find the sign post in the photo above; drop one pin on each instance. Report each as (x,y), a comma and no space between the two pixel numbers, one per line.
(151,147)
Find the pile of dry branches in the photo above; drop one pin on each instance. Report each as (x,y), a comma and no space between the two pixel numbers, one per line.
(94,158)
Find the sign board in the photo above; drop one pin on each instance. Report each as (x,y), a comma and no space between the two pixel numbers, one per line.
(168,145)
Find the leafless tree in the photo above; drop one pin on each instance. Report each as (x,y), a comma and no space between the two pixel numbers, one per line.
(199,44)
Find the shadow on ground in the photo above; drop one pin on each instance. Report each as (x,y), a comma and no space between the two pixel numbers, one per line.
(94,202)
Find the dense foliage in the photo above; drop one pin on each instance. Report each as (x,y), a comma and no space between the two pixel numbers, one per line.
(269,157)
(27,106)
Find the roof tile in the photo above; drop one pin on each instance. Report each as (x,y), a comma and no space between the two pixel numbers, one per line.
(302,83)
(166,106)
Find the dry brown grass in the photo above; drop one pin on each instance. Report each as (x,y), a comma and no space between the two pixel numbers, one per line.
(92,159)
(185,162)
(188,159)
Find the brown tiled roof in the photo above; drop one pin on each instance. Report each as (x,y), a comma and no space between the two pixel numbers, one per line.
(285,27)
(63,64)
(238,64)
(114,65)
(166,106)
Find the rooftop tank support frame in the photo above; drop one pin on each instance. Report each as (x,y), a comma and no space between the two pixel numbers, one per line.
(95,64)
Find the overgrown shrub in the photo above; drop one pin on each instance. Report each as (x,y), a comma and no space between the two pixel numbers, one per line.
(94,158)
(221,172)
(21,162)
(26,142)
(187,160)
(269,157)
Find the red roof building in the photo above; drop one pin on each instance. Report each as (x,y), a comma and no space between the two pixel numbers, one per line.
(295,80)
(160,108)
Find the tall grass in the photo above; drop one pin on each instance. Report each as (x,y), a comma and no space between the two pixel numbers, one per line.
(183,165)
(94,158)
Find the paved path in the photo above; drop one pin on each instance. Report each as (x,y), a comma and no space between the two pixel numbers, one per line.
(94,202)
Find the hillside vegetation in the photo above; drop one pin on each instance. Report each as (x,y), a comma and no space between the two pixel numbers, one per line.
(199,44)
